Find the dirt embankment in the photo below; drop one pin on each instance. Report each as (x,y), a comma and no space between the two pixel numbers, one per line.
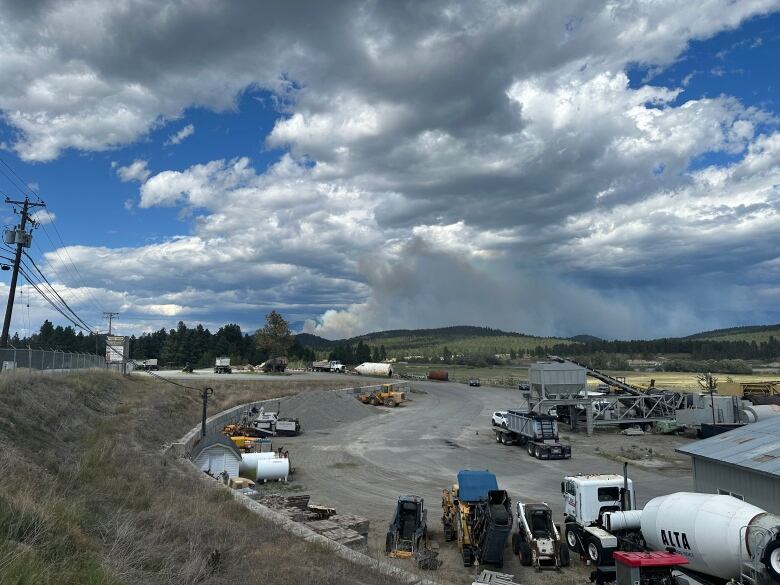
(86,497)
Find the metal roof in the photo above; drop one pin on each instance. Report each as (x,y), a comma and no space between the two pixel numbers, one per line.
(214,440)
(754,446)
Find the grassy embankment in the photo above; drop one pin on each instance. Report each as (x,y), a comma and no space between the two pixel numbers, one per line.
(87,499)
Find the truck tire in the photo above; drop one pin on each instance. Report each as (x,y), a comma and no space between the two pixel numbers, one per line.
(390,401)
(565,556)
(498,437)
(593,550)
(524,552)
(771,559)
(468,557)
(572,540)
(537,452)
(530,448)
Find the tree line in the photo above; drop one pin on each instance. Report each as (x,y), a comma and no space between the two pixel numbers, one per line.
(697,349)
(176,347)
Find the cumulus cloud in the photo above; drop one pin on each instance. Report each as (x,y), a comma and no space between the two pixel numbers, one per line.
(177,137)
(138,170)
(42,217)
(485,162)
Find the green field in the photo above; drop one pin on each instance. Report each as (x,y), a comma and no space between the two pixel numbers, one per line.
(510,376)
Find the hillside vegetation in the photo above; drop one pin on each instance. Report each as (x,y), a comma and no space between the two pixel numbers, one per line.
(87,499)
(757,333)
(466,340)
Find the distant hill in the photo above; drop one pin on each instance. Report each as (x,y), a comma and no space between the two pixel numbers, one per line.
(757,333)
(586,338)
(461,339)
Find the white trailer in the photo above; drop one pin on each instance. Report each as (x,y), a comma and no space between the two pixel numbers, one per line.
(148,365)
(375,369)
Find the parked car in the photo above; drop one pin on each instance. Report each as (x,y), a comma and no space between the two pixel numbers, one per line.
(474,382)
(499,418)
(523,386)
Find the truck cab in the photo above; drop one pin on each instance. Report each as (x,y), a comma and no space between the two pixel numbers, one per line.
(585,500)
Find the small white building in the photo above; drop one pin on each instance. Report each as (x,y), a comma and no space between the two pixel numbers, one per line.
(217,453)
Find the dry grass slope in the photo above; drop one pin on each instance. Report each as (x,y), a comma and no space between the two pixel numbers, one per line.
(86,498)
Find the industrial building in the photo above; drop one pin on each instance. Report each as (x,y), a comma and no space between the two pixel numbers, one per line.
(744,463)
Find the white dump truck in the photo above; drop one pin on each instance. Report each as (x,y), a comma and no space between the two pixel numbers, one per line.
(375,369)
(222,366)
(328,366)
(148,365)
(720,536)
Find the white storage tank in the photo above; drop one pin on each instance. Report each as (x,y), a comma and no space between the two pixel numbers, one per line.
(374,369)
(706,528)
(275,469)
(249,461)
(755,413)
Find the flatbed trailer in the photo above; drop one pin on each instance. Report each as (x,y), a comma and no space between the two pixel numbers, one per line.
(538,433)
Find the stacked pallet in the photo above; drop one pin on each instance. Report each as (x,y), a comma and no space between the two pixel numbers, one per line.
(356,523)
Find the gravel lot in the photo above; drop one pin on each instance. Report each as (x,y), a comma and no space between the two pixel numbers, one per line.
(360,460)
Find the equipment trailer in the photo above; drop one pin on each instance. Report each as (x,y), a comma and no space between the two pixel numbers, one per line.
(537,432)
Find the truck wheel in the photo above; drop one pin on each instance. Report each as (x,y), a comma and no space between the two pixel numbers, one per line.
(571,538)
(593,550)
(390,402)
(498,438)
(525,554)
(537,452)
(530,448)
(468,557)
(565,556)
(771,559)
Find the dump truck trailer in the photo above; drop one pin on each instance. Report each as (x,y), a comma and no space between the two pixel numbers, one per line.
(538,433)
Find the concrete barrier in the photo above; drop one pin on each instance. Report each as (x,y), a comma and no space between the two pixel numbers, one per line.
(183,446)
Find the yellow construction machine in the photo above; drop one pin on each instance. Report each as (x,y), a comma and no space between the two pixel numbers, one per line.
(387,395)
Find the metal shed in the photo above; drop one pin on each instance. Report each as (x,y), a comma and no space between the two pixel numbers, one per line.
(217,453)
(744,463)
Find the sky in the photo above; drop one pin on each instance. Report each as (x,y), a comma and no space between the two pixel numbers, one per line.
(609,168)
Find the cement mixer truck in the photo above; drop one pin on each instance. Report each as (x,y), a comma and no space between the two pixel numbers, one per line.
(720,536)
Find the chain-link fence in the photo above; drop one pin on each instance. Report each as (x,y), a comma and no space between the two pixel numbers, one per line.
(45,359)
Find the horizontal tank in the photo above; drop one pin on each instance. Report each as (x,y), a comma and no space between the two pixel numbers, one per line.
(374,369)
(441,375)
(276,469)
(705,528)
(755,413)
(249,461)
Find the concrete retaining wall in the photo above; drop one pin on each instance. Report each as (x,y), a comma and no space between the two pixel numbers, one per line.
(183,446)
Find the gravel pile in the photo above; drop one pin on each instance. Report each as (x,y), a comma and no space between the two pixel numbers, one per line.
(324,409)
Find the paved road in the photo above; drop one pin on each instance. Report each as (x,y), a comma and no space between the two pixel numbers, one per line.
(362,467)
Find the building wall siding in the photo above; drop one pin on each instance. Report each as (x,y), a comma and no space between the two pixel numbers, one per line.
(231,462)
(757,489)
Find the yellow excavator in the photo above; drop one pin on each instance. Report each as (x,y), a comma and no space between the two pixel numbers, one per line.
(387,395)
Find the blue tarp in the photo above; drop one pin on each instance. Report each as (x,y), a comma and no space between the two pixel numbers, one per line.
(473,486)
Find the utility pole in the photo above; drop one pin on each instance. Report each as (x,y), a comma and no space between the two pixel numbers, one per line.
(206,393)
(110,316)
(22,239)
